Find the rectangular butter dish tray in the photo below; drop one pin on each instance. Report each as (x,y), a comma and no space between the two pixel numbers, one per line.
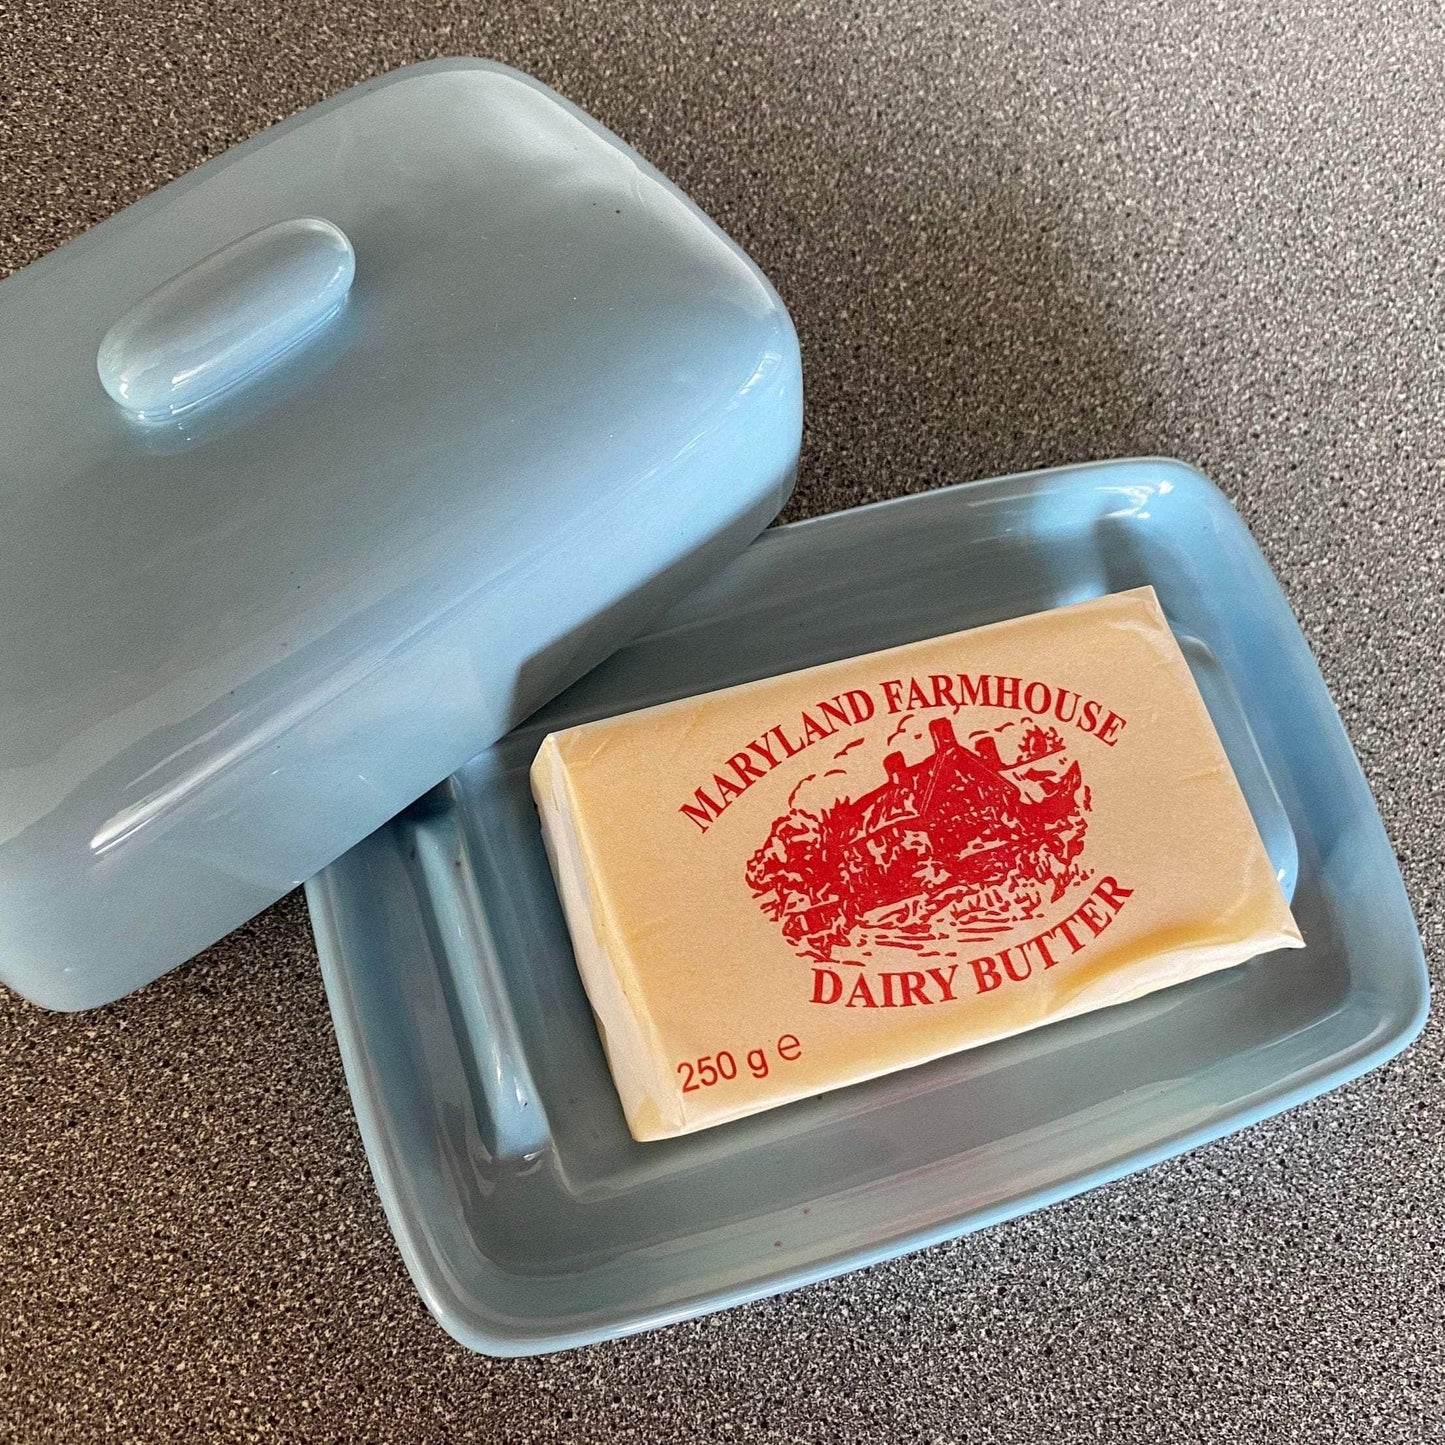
(529,1218)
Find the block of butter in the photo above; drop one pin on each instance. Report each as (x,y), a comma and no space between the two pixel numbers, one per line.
(810,880)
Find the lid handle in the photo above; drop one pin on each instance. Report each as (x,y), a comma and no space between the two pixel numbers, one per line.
(226,318)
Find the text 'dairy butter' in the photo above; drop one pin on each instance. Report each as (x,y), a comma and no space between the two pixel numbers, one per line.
(810,880)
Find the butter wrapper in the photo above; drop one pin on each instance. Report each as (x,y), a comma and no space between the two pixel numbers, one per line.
(810,880)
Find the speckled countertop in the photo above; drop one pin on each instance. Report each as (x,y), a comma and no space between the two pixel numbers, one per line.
(1011,234)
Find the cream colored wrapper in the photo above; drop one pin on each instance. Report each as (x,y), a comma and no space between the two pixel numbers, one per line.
(807,881)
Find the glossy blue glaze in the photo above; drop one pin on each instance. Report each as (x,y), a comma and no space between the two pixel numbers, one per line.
(237,641)
(529,1218)
(226,318)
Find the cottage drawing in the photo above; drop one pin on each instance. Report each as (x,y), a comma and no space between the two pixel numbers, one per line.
(959,844)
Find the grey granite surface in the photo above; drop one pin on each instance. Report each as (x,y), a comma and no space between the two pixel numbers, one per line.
(1011,234)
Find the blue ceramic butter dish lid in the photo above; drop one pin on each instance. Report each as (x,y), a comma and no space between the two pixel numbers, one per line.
(323,466)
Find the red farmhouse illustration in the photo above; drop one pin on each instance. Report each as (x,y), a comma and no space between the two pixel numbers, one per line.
(957,845)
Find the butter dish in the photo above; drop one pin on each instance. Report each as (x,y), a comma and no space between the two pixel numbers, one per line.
(529,1217)
(332,471)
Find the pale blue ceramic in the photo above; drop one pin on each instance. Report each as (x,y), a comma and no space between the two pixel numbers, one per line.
(528,1217)
(282,549)
(227,318)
